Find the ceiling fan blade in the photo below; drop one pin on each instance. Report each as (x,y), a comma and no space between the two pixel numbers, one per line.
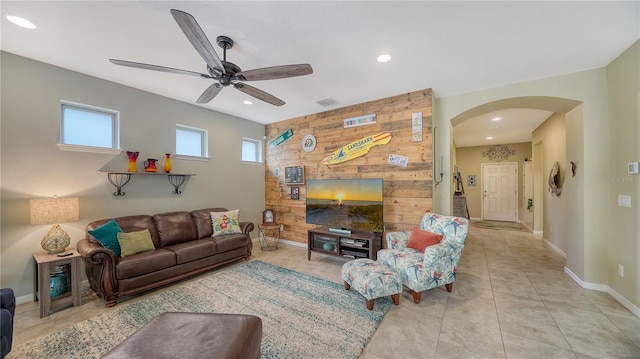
(276,72)
(259,94)
(198,39)
(211,92)
(140,65)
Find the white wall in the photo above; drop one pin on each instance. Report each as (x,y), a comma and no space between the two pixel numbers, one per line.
(32,166)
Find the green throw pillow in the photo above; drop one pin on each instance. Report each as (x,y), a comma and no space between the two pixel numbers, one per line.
(107,235)
(225,222)
(135,242)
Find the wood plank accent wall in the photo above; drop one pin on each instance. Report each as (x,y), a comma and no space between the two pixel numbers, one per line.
(407,190)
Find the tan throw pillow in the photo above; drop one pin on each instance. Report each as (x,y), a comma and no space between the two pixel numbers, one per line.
(135,242)
(225,222)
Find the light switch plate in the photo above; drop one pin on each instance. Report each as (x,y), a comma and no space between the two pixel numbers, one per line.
(633,168)
(624,201)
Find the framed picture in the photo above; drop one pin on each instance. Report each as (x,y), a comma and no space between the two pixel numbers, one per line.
(295,192)
(294,175)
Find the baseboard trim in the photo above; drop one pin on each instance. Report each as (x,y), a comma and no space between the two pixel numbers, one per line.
(294,243)
(624,301)
(604,288)
(24,299)
(29,297)
(537,233)
(476,219)
(555,248)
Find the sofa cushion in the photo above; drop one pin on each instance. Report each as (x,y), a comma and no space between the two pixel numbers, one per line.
(202,218)
(226,222)
(135,242)
(420,239)
(174,228)
(107,235)
(193,250)
(145,262)
(230,242)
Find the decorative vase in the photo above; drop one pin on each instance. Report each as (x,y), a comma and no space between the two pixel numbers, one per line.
(133,157)
(167,163)
(57,285)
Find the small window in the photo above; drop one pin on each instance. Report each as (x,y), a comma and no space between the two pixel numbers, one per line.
(191,141)
(251,150)
(88,127)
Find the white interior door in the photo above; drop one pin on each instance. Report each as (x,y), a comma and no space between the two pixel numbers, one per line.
(500,191)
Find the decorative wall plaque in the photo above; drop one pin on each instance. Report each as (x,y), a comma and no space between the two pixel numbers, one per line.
(358,148)
(499,153)
(294,175)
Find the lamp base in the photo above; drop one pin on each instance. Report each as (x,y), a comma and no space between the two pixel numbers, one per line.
(56,240)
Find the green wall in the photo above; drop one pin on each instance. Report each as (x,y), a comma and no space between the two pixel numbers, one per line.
(32,166)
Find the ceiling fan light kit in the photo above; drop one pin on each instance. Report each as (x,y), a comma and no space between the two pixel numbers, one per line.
(226,73)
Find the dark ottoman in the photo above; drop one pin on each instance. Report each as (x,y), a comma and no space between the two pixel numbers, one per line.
(194,335)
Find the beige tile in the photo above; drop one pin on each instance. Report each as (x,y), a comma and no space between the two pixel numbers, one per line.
(518,347)
(593,334)
(450,351)
(484,339)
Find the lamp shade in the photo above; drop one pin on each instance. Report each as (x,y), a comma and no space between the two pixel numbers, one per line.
(54,210)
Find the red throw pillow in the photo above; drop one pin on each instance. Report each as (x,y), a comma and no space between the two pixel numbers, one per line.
(420,239)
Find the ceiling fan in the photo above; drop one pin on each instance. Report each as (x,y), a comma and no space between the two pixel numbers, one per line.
(226,73)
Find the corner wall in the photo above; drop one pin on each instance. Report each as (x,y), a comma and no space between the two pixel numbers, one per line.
(407,190)
(32,166)
(552,136)
(623,235)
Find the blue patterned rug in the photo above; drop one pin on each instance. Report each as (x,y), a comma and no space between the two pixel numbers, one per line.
(302,316)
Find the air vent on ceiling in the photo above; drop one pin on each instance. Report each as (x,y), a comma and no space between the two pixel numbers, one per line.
(326,102)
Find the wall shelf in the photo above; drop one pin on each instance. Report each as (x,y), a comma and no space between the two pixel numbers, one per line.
(120,179)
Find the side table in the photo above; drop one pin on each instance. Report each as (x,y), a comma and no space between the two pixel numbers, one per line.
(269,237)
(70,267)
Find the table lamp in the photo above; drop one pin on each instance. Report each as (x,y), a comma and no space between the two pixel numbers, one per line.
(54,211)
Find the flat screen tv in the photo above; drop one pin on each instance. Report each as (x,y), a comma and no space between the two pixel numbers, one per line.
(346,203)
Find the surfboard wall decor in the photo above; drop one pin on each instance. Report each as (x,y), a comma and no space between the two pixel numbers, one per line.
(357,148)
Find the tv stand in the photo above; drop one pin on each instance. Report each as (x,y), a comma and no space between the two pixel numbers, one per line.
(354,244)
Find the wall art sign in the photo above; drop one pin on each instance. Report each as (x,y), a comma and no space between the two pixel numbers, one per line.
(397,160)
(283,137)
(360,121)
(309,143)
(294,175)
(499,153)
(357,148)
(416,126)
(295,192)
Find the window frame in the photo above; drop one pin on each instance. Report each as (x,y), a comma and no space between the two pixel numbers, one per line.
(259,155)
(115,128)
(204,145)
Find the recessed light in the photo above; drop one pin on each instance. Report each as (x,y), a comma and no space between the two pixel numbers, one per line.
(384,58)
(490,138)
(22,22)
(496,119)
(247,102)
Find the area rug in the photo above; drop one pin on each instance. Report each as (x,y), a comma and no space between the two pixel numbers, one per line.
(512,226)
(303,316)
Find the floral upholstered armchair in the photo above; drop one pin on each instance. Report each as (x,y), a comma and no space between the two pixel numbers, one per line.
(437,265)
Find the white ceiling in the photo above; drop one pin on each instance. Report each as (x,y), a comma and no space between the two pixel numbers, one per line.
(451,47)
(515,126)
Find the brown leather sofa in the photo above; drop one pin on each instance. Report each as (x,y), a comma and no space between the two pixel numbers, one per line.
(183,247)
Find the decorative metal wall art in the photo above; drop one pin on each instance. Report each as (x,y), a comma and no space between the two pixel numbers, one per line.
(499,153)
(555,180)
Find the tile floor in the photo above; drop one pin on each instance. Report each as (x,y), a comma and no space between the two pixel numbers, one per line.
(511,300)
